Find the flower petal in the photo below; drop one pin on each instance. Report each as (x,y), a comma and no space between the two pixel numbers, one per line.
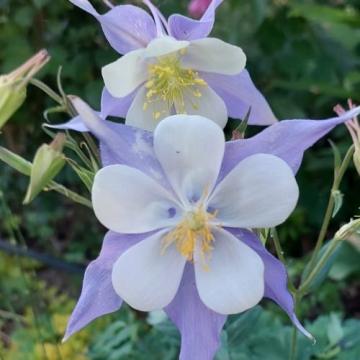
(123,76)
(112,106)
(239,94)
(276,278)
(163,46)
(208,105)
(125,200)
(98,297)
(199,326)
(287,139)
(126,27)
(260,192)
(146,277)
(146,117)
(184,28)
(190,150)
(122,144)
(214,56)
(76,124)
(232,280)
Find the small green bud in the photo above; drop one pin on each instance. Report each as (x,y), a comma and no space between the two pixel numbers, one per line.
(47,163)
(349,231)
(13,85)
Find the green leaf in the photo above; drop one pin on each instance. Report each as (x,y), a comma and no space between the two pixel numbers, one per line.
(323,273)
(338,197)
(335,331)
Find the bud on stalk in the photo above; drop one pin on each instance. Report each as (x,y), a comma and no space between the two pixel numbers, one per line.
(13,85)
(48,162)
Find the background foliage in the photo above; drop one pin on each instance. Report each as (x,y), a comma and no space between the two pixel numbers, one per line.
(304,56)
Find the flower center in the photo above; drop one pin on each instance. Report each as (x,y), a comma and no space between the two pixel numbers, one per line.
(170,83)
(194,228)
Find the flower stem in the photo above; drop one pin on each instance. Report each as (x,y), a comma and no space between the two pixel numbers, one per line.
(293,348)
(47,90)
(330,208)
(70,194)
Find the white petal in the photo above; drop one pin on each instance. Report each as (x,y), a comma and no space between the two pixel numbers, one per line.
(145,117)
(214,55)
(209,105)
(126,200)
(233,279)
(145,277)
(123,76)
(259,192)
(163,46)
(190,150)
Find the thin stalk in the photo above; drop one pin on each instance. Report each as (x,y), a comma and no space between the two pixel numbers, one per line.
(47,90)
(69,194)
(330,207)
(92,145)
(293,347)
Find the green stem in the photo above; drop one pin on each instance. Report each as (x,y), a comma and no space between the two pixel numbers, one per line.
(47,90)
(331,203)
(293,348)
(69,194)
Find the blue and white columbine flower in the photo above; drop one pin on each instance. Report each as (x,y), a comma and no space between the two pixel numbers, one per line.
(185,201)
(192,217)
(170,66)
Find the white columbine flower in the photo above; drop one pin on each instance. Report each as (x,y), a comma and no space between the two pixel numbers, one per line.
(167,75)
(190,220)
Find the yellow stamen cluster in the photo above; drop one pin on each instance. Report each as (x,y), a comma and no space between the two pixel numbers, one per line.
(171,84)
(195,227)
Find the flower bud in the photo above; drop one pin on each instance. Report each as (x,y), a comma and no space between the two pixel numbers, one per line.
(13,85)
(197,8)
(48,162)
(349,232)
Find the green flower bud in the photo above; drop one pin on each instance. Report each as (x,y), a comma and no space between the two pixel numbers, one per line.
(349,232)
(47,163)
(13,85)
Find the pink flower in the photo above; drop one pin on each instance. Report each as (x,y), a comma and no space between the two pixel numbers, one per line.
(198,7)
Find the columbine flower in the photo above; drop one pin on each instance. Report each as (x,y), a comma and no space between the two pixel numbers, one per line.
(198,7)
(200,326)
(171,67)
(354,129)
(192,218)
(168,78)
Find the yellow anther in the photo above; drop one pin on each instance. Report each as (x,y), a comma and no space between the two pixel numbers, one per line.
(195,229)
(170,84)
